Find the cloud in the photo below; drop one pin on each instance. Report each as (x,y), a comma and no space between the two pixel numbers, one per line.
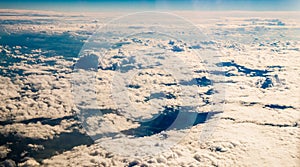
(37,99)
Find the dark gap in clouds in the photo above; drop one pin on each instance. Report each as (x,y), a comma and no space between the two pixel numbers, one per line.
(61,44)
(51,45)
(277,106)
(88,62)
(267,83)
(202,82)
(160,95)
(169,119)
(245,70)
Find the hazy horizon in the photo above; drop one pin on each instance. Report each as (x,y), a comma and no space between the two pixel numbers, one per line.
(139,5)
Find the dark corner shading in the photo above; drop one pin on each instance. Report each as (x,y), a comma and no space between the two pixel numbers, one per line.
(20,145)
(60,143)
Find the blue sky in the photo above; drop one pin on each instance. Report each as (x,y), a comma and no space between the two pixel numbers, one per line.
(138,5)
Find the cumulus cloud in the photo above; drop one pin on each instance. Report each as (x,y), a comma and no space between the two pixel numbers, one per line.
(39,92)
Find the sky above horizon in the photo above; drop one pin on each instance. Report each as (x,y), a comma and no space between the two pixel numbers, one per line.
(138,5)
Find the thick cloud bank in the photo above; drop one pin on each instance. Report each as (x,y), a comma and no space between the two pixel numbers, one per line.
(45,57)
